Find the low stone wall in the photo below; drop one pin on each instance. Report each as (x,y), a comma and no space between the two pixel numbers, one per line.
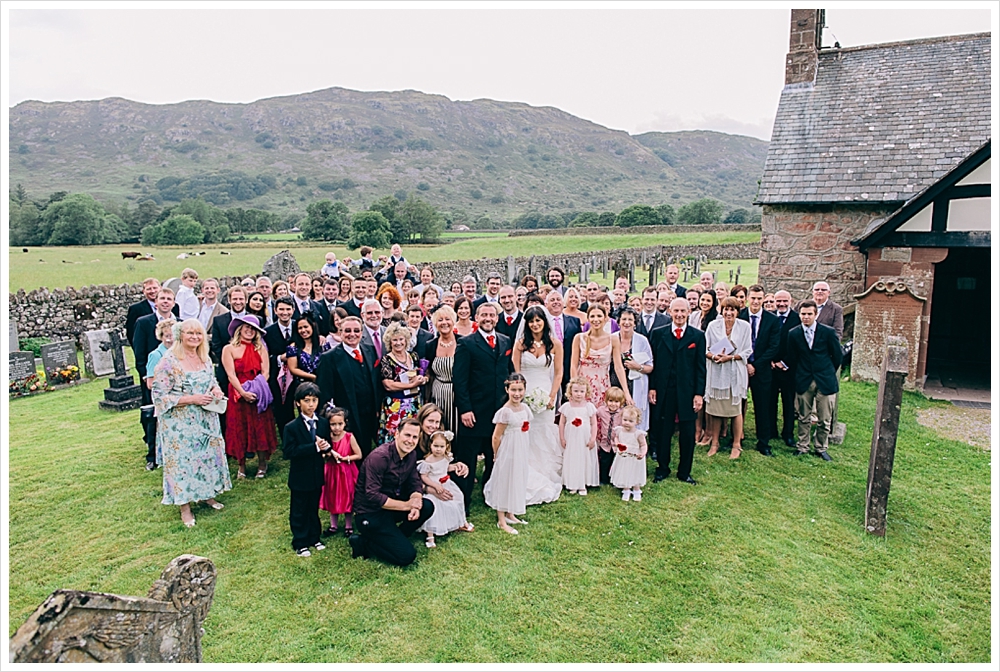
(616,231)
(67,313)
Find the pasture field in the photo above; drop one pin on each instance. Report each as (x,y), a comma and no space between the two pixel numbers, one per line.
(765,560)
(102,264)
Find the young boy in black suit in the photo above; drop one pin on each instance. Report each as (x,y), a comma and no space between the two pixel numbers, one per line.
(306,442)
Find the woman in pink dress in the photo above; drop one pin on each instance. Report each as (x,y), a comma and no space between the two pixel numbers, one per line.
(594,353)
(340,473)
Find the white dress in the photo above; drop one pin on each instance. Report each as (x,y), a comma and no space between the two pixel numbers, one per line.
(507,489)
(448,516)
(545,453)
(580,467)
(628,470)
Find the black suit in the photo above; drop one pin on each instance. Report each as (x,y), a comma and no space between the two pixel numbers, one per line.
(659,320)
(353,386)
(144,341)
(678,377)
(479,374)
(571,327)
(277,344)
(818,364)
(220,339)
(320,315)
(424,337)
(137,310)
(480,301)
(783,383)
(509,330)
(351,307)
(305,479)
(766,346)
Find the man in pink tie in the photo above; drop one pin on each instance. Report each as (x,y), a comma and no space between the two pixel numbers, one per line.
(371,313)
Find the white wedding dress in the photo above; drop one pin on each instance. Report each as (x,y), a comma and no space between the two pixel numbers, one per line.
(545,453)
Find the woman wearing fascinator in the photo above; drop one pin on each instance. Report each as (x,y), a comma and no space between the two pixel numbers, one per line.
(449,504)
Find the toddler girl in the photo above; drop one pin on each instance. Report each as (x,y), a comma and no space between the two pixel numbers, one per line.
(609,418)
(578,436)
(507,489)
(449,512)
(340,471)
(629,469)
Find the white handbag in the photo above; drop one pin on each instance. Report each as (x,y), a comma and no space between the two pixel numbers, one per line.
(217,405)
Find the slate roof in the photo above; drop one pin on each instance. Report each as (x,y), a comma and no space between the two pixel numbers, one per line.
(881,123)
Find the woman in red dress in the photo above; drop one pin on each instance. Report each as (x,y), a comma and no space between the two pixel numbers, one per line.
(248,429)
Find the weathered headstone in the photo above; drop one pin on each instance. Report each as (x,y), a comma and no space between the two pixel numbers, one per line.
(511,270)
(532,268)
(887,308)
(631,276)
(13,344)
(76,626)
(583,276)
(604,267)
(895,366)
(20,365)
(173,284)
(60,362)
(280,266)
(98,361)
(122,394)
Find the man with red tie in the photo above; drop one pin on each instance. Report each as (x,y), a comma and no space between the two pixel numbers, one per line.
(510,317)
(482,363)
(677,388)
(348,375)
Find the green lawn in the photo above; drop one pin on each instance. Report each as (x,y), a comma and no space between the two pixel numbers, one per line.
(764,561)
(79,266)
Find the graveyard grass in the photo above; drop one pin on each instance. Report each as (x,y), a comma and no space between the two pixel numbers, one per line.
(765,560)
(79,266)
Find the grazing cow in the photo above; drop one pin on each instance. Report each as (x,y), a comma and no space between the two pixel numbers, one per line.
(223,252)
(182,255)
(131,255)
(24,249)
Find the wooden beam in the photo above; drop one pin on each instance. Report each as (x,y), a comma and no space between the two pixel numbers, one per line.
(937,239)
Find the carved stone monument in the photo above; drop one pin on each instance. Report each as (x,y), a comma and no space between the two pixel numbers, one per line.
(76,626)
(122,394)
(895,366)
(98,361)
(13,343)
(887,308)
(60,362)
(280,266)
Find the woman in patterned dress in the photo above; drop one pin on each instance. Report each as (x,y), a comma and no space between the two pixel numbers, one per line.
(189,442)
(594,353)
(441,353)
(400,380)
(248,429)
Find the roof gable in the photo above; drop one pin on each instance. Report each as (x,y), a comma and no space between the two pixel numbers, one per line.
(881,122)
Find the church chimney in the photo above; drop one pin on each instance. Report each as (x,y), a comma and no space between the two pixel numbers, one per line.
(803,46)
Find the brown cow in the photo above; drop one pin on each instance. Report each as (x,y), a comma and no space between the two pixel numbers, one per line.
(131,255)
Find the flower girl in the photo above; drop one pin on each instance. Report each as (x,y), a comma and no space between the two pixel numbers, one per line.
(449,504)
(578,435)
(507,490)
(628,471)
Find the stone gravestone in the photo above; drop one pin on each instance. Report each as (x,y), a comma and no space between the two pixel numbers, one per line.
(280,266)
(98,361)
(511,270)
(76,626)
(59,361)
(14,340)
(631,276)
(887,308)
(895,365)
(21,367)
(173,284)
(122,394)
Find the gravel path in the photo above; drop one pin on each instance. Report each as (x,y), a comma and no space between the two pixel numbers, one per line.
(969,425)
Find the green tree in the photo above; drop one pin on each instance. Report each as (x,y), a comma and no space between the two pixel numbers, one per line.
(175,230)
(637,215)
(145,214)
(326,220)
(389,207)
(585,219)
(20,195)
(419,219)
(113,229)
(703,211)
(24,219)
(369,228)
(667,214)
(76,219)
(606,219)
(737,216)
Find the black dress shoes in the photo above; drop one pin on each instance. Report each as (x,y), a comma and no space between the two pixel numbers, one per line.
(688,480)
(826,457)
(659,476)
(790,443)
(765,451)
(357,545)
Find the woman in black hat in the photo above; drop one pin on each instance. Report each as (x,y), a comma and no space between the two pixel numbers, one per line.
(249,421)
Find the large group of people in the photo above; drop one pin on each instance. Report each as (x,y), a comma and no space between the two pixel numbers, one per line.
(384,390)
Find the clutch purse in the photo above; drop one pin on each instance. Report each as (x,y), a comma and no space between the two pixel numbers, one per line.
(217,405)
(147,412)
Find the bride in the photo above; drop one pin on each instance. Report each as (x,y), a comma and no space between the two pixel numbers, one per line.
(539,358)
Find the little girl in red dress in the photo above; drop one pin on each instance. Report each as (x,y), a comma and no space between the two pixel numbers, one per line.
(341,472)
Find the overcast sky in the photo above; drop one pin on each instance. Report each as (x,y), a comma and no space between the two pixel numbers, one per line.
(637,69)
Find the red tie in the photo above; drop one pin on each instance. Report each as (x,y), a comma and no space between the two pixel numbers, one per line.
(357,356)
(677,334)
(492,340)
(510,320)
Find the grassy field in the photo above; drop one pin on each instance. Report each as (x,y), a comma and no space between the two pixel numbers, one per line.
(764,561)
(80,266)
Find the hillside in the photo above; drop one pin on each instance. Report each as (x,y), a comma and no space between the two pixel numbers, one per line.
(485,157)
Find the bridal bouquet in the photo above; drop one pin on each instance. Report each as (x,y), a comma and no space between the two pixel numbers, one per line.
(537,400)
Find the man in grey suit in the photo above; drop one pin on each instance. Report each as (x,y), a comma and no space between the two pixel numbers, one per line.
(371,315)
(828,312)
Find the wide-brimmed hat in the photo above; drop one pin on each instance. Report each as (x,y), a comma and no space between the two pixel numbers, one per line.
(244,319)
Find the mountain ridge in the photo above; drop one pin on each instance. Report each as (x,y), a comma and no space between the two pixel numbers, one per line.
(483,156)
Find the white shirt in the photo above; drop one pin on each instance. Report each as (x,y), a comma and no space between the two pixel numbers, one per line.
(205,315)
(351,351)
(674,328)
(750,319)
(188,303)
(486,336)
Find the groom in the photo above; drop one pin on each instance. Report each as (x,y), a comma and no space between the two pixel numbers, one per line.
(482,363)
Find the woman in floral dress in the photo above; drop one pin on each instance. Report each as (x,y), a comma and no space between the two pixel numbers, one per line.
(189,442)
(594,353)
(401,381)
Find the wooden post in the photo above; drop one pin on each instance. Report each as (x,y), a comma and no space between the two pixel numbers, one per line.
(604,267)
(890,395)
